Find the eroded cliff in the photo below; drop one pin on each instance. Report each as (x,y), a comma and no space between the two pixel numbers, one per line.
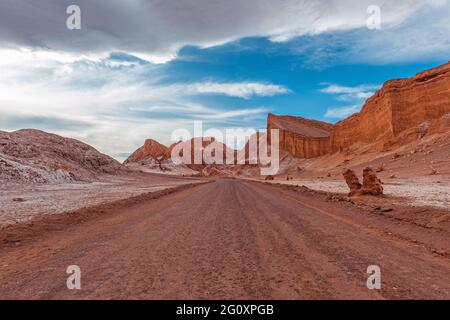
(395,114)
(398,106)
(301,137)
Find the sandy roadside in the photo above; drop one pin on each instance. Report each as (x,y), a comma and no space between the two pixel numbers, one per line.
(21,203)
(422,191)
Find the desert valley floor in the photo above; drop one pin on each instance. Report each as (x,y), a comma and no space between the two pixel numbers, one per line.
(226,239)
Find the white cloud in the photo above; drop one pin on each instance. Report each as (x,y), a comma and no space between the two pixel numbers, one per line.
(236,113)
(244,90)
(423,36)
(335,88)
(342,112)
(113,109)
(156,30)
(347,93)
(355,94)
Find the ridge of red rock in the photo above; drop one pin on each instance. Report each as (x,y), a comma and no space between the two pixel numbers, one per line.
(151,148)
(303,138)
(396,110)
(399,105)
(401,108)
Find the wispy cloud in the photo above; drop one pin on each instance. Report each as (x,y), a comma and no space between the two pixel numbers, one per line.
(342,112)
(355,94)
(338,89)
(347,93)
(236,113)
(243,90)
(424,34)
(109,104)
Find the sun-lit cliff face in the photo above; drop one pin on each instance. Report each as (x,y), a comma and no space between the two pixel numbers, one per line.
(301,137)
(400,105)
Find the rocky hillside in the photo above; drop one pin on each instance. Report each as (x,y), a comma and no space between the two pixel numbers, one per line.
(37,156)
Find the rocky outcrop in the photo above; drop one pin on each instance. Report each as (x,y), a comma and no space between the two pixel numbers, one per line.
(399,105)
(37,156)
(352,182)
(204,153)
(371,183)
(401,111)
(301,137)
(150,149)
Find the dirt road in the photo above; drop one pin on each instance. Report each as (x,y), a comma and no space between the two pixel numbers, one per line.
(230,239)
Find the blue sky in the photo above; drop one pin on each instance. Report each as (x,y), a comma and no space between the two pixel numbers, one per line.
(114,84)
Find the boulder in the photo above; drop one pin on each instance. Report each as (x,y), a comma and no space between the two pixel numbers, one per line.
(352,181)
(371,183)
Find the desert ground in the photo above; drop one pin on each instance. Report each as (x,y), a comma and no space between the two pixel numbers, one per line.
(227,239)
(21,203)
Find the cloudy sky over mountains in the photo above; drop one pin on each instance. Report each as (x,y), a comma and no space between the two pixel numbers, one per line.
(140,69)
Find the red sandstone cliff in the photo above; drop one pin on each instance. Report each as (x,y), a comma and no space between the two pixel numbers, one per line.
(301,137)
(401,108)
(398,106)
(394,113)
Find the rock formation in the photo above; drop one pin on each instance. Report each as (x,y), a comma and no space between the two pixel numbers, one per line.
(371,183)
(401,111)
(151,148)
(247,156)
(399,105)
(301,137)
(352,181)
(36,156)
(204,152)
